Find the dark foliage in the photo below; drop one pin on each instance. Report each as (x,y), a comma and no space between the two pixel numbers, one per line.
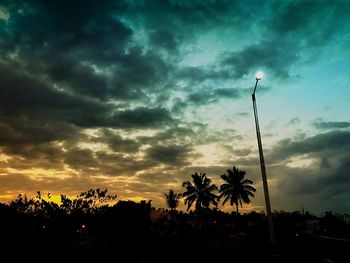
(82,230)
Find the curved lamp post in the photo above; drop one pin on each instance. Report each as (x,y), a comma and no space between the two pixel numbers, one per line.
(259,75)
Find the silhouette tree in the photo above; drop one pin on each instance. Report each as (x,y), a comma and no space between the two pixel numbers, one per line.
(35,206)
(172,199)
(90,201)
(200,192)
(87,202)
(237,189)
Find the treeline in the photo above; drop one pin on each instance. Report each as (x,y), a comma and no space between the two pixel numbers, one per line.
(86,227)
(94,225)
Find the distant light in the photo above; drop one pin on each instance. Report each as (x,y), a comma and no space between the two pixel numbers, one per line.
(83,226)
(259,75)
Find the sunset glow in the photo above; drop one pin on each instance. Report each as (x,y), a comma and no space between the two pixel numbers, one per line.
(135,96)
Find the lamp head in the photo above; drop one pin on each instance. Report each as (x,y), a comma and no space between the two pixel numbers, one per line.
(259,75)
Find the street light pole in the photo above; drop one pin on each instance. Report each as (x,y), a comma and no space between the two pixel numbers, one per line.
(258,77)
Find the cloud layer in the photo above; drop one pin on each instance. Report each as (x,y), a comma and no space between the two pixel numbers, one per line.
(134,96)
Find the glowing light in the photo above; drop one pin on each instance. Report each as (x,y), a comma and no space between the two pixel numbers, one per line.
(259,75)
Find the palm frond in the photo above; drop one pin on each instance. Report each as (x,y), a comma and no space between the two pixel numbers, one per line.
(236,188)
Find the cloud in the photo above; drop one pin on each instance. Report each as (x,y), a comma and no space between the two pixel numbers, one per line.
(197,75)
(172,24)
(294,121)
(324,125)
(117,143)
(335,140)
(89,53)
(80,159)
(180,135)
(119,164)
(212,96)
(306,170)
(23,183)
(309,21)
(87,28)
(23,95)
(274,56)
(141,117)
(327,164)
(169,154)
(166,39)
(80,81)
(295,34)
(28,156)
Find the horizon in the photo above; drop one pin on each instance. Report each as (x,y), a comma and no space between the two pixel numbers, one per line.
(180,208)
(137,96)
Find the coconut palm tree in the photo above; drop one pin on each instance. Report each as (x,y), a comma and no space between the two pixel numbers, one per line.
(172,199)
(236,188)
(200,192)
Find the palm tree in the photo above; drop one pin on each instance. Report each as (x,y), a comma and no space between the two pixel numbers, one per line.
(200,192)
(172,199)
(236,189)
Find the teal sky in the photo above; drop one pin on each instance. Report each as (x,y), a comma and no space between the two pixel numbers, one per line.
(135,96)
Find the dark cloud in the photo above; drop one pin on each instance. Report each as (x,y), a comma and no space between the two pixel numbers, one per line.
(166,39)
(296,33)
(117,143)
(198,75)
(242,152)
(77,76)
(211,96)
(172,24)
(326,142)
(81,159)
(328,125)
(169,154)
(23,131)
(118,164)
(190,134)
(70,66)
(31,156)
(179,106)
(141,117)
(326,176)
(227,93)
(309,183)
(21,92)
(276,57)
(201,98)
(294,121)
(305,170)
(313,22)
(34,112)
(28,103)
(179,134)
(236,153)
(82,47)
(242,114)
(89,29)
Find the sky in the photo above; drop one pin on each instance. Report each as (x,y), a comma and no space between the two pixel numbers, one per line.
(135,96)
